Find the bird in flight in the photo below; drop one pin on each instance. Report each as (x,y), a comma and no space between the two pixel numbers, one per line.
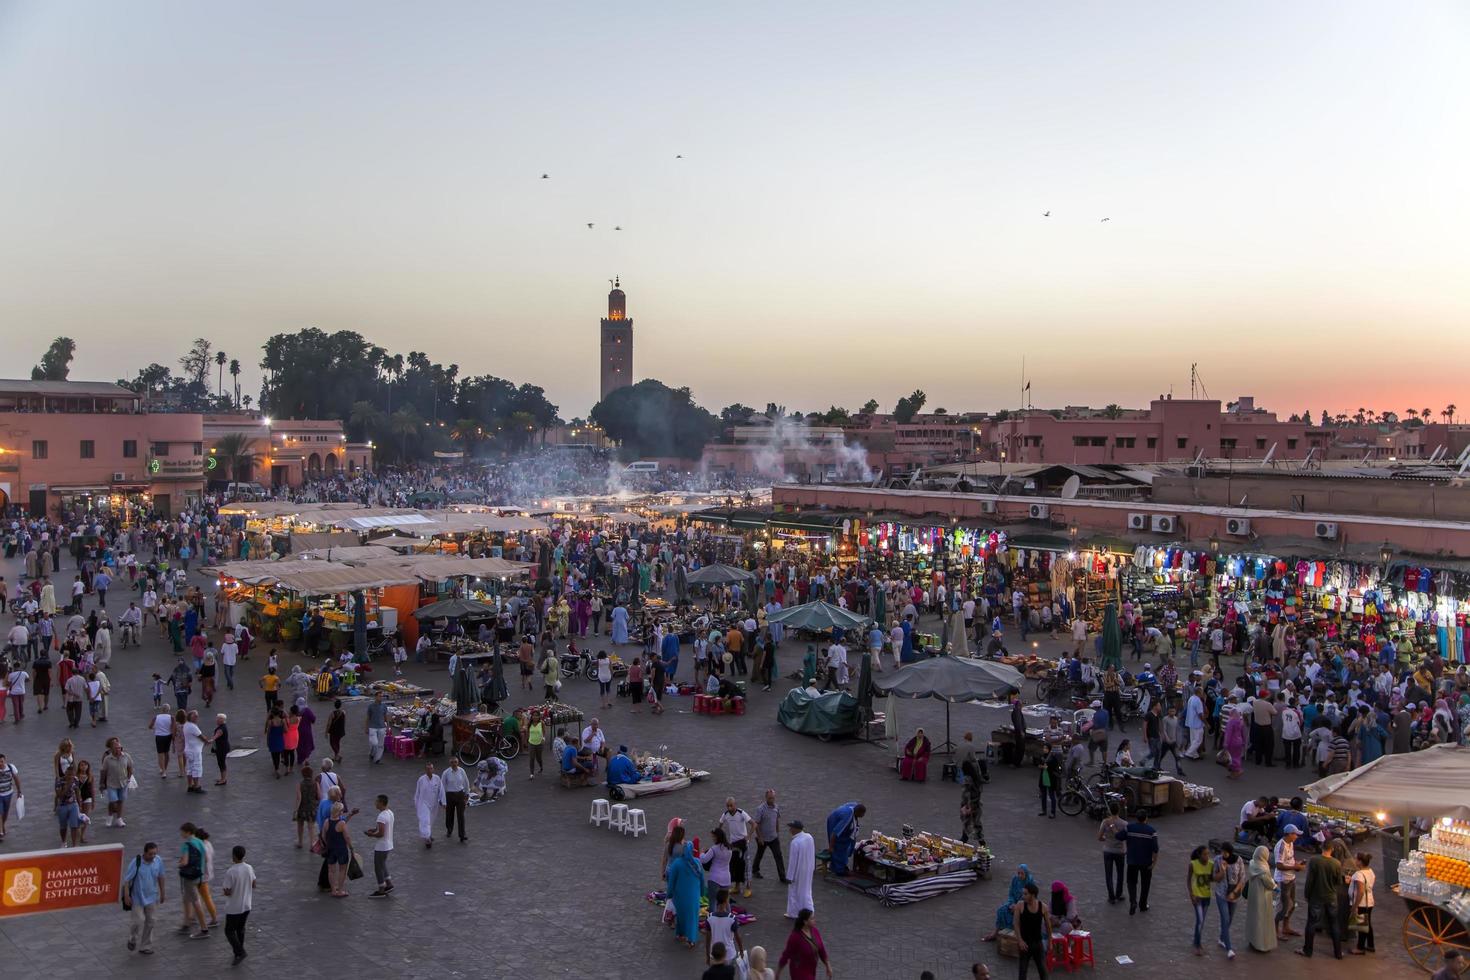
(544,176)
(617,227)
(589,224)
(1046,214)
(678,156)
(1106,219)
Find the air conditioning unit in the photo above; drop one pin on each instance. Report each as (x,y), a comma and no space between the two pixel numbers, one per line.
(1238,526)
(1138,522)
(1165,523)
(119,477)
(987,506)
(1326,529)
(1040,512)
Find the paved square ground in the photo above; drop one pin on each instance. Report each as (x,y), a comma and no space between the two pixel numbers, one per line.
(539,893)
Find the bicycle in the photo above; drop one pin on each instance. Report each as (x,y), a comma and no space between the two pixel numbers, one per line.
(480,743)
(1093,797)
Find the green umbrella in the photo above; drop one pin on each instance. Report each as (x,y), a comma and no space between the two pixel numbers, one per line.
(817,616)
(1112,638)
(880,607)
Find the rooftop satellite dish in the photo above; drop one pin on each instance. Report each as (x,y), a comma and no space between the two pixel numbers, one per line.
(1070,488)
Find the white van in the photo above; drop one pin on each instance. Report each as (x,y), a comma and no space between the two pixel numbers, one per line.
(641,468)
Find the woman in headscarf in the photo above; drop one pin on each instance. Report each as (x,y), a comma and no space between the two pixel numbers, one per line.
(914,765)
(620,625)
(1464,716)
(1442,725)
(1064,908)
(971,807)
(757,968)
(684,882)
(1005,917)
(1235,733)
(670,850)
(306,739)
(1260,915)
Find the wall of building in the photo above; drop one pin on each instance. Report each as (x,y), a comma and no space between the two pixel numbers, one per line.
(122,460)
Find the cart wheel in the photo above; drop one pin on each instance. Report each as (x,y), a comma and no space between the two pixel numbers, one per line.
(1043,690)
(616,792)
(469,754)
(1429,931)
(824,736)
(508,749)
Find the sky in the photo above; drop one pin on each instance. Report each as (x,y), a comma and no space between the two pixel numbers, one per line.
(858,211)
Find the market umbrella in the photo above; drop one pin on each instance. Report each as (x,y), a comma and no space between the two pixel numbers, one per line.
(1433,783)
(1112,639)
(950,679)
(454,609)
(880,606)
(817,616)
(466,695)
(718,574)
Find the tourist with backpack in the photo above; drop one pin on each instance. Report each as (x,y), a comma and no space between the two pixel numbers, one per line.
(142,893)
(191,873)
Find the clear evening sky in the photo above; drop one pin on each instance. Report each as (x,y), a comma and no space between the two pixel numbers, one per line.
(858,210)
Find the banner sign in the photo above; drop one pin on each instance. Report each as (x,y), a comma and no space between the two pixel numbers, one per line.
(68,878)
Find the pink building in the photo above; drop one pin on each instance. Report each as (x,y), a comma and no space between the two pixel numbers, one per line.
(80,446)
(288,452)
(1172,429)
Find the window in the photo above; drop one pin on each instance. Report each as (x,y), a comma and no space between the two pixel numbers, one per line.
(159,449)
(1291,444)
(1227,443)
(1183,442)
(198,449)
(1153,442)
(89,449)
(1260,443)
(1124,442)
(130,449)
(39,449)
(1089,440)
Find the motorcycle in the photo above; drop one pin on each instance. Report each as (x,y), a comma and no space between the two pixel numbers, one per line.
(1096,798)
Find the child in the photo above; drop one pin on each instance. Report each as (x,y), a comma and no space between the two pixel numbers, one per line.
(270,662)
(724,931)
(400,657)
(157,691)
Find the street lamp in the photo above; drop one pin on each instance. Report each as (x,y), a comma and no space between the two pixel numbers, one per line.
(1385,554)
(1214,544)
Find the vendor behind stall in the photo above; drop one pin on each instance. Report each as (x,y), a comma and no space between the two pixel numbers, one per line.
(842,830)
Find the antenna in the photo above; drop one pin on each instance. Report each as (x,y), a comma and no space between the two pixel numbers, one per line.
(1198,456)
(1310,453)
(1365,458)
(1269,454)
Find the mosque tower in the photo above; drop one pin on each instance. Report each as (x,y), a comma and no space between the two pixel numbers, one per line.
(617,343)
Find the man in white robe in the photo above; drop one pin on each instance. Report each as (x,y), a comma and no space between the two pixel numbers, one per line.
(801,865)
(428,793)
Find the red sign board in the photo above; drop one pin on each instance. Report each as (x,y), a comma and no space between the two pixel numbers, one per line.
(69,878)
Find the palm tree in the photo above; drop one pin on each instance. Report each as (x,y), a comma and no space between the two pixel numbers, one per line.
(1360,417)
(1449,412)
(220,357)
(1412,413)
(366,418)
(235,376)
(404,423)
(1113,411)
(238,453)
(247,400)
(1424,414)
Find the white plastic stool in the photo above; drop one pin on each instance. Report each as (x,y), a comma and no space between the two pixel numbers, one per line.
(619,818)
(637,823)
(600,813)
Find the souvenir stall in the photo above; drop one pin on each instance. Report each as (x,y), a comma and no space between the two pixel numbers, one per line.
(657,775)
(276,599)
(913,866)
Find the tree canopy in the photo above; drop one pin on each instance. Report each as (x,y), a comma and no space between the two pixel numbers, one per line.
(909,406)
(56,362)
(652,419)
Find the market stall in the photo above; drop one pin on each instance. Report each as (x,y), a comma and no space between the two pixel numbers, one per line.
(1434,879)
(950,679)
(914,866)
(657,775)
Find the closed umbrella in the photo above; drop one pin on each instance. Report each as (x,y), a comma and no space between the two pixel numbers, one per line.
(959,640)
(1112,638)
(681,583)
(880,606)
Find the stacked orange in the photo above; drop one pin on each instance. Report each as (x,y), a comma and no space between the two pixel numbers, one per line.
(1453,870)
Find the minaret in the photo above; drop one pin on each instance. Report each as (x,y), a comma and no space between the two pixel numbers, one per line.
(617,343)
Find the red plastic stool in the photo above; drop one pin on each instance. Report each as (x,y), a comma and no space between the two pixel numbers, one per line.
(699,704)
(740,706)
(1079,948)
(1056,952)
(716,706)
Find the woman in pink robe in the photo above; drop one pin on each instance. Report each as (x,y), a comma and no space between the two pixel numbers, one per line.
(914,765)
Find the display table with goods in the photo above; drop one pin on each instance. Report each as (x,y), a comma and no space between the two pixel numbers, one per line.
(1325,823)
(1160,792)
(456,646)
(912,867)
(478,734)
(743,916)
(552,713)
(1035,746)
(656,775)
(1433,880)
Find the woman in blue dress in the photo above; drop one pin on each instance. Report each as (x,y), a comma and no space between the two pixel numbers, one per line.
(620,625)
(1005,917)
(684,881)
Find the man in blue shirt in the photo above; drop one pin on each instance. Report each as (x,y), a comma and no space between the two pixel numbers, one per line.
(621,770)
(669,653)
(1143,853)
(143,884)
(572,764)
(906,651)
(1292,817)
